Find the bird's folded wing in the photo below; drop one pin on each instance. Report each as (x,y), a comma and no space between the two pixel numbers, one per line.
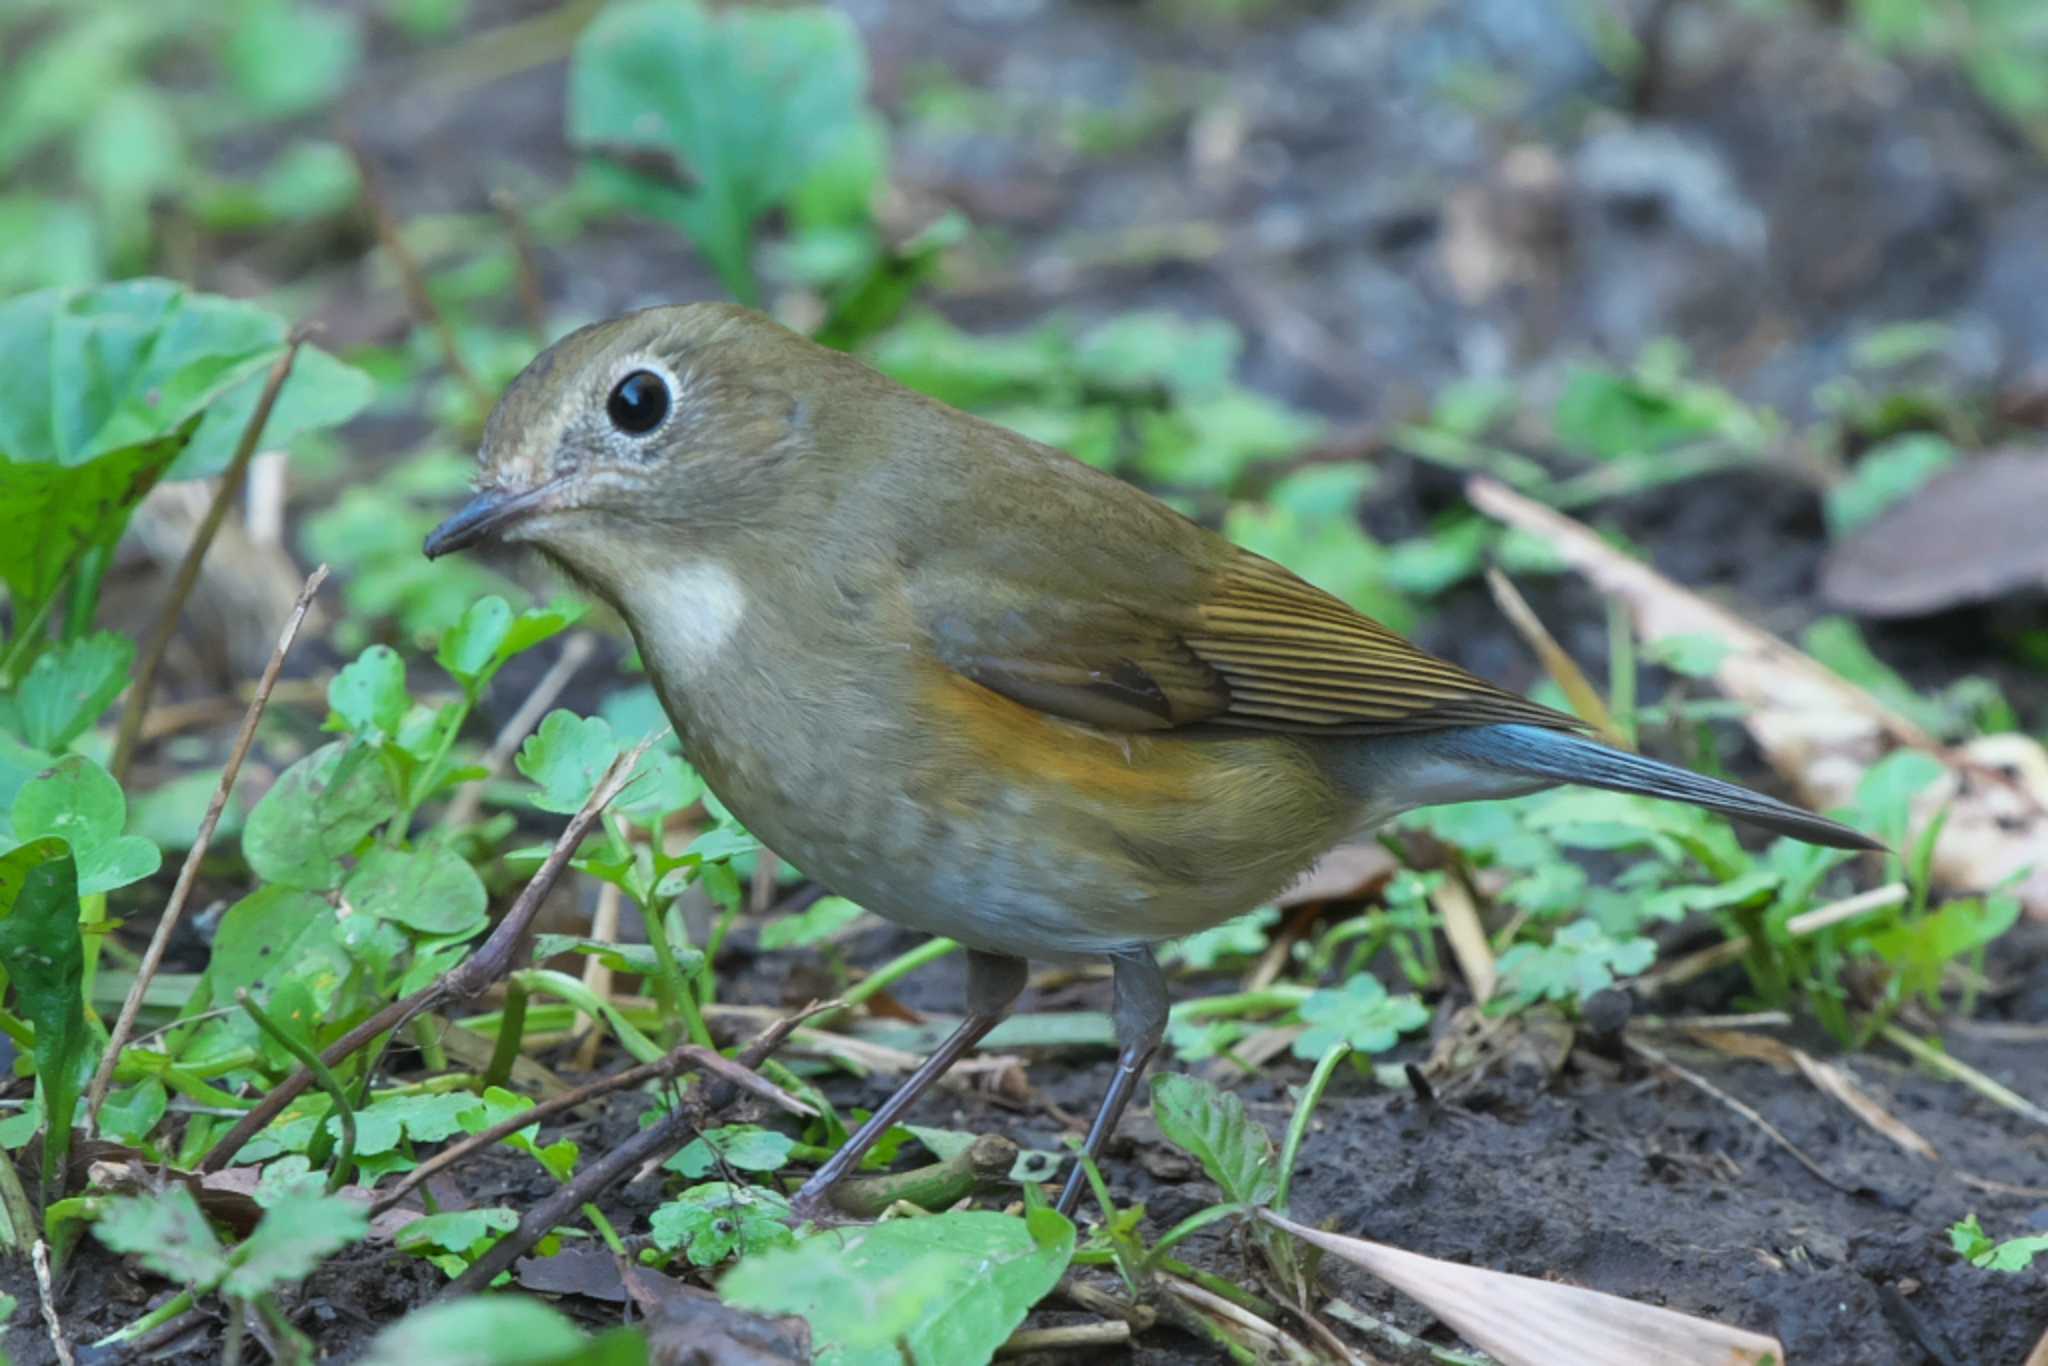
(1249,646)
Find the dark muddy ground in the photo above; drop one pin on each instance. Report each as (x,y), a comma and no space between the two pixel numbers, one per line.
(1764,192)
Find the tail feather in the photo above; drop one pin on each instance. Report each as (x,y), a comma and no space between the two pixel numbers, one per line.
(1559,756)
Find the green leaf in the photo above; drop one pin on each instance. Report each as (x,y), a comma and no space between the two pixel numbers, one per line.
(1581,959)
(274,935)
(168,1234)
(318,810)
(1359,1013)
(459,1231)
(469,648)
(1212,1127)
(638,959)
(946,1288)
(127,153)
(69,688)
(432,890)
(294,1236)
(1140,351)
(2014,1254)
(369,694)
(99,390)
(566,757)
(1888,473)
(1244,937)
(815,924)
(131,1112)
(486,1330)
(318,394)
(79,802)
(711,1222)
(1921,949)
(44,956)
(286,56)
(744,1147)
(742,106)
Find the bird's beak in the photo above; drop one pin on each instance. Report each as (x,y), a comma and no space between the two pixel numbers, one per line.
(487,514)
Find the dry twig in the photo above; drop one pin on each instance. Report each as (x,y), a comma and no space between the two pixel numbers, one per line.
(224,496)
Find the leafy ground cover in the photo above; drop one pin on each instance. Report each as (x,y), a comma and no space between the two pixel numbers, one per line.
(1741,288)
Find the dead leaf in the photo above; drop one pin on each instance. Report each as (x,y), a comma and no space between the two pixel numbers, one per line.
(1819,730)
(1526,1322)
(691,1327)
(1972,534)
(1346,871)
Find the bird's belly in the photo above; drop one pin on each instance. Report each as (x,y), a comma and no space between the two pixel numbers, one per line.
(1017,833)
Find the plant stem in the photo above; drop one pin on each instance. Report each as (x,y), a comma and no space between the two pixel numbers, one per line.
(1297,1128)
(345,1159)
(511,1028)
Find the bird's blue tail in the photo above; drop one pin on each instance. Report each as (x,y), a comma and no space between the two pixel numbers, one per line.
(1556,756)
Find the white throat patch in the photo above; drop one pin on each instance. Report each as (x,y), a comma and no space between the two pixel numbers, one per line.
(691,614)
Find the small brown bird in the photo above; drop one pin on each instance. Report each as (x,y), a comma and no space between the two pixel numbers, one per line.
(977,686)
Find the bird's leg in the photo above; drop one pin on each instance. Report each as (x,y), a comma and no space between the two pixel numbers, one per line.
(994,982)
(1140,1015)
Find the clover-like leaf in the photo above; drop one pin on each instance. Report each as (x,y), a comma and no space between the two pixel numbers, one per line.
(79,802)
(1580,959)
(1359,1013)
(295,1235)
(711,1222)
(168,1233)
(744,1147)
(566,757)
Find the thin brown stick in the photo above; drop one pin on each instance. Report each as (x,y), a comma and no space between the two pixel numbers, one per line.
(1585,698)
(489,964)
(1068,1337)
(576,650)
(195,555)
(1699,1083)
(418,300)
(597,974)
(533,306)
(651,1144)
(181,892)
(39,1254)
(684,1056)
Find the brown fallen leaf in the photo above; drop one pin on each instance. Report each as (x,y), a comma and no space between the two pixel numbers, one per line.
(1972,534)
(1526,1322)
(690,1327)
(1345,871)
(1819,730)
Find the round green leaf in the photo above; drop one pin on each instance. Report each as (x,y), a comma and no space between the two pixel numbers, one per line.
(320,809)
(432,890)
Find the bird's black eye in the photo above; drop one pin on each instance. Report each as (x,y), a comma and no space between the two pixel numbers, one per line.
(638,403)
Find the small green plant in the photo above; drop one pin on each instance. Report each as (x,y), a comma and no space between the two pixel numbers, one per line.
(170,1235)
(1968,1238)
(711,119)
